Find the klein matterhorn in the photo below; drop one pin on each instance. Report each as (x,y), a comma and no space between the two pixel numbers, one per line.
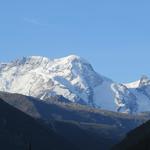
(73,78)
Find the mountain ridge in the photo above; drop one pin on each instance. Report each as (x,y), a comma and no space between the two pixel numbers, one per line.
(75,79)
(70,120)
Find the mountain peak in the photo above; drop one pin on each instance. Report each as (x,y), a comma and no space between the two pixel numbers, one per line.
(73,58)
(144,78)
(144,81)
(132,85)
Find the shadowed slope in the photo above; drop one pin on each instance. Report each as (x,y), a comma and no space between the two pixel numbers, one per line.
(138,139)
(19,131)
(77,122)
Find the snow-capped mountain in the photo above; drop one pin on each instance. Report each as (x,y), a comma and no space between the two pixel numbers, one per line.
(141,89)
(133,97)
(74,79)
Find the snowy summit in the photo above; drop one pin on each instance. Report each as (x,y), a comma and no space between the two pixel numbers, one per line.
(75,79)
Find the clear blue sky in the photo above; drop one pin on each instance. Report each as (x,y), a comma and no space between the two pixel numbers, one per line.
(114,35)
